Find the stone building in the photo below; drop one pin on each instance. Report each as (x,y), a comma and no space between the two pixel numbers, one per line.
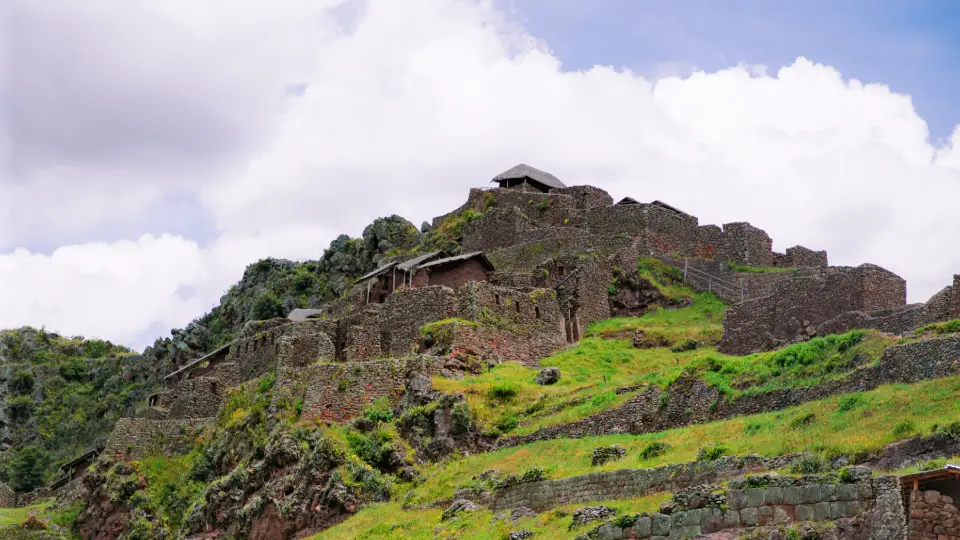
(930,499)
(455,271)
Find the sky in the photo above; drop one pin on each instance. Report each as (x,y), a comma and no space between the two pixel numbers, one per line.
(150,151)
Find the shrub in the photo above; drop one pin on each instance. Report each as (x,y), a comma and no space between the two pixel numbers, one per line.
(74,369)
(654,450)
(21,382)
(503,391)
(266,306)
(803,421)
(953,428)
(20,408)
(507,423)
(603,454)
(379,411)
(933,464)
(848,403)
(685,345)
(96,348)
(903,428)
(809,464)
(711,452)
(533,474)
(374,450)
(461,419)
(26,469)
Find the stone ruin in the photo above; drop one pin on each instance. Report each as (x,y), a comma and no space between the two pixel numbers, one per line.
(536,269)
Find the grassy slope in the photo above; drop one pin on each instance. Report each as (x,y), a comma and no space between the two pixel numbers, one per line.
(388,520)
(595,367)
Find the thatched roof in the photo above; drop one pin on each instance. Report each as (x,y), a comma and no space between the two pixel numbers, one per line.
(417,261)
(531,174)
(478,255)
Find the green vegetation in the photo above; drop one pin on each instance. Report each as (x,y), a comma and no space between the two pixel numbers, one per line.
(63,394)
(390,521)
(937,329)
(829,432)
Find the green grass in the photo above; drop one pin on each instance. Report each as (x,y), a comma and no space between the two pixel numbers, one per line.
(830,430)
(948,327)
(389,520)
(16,516)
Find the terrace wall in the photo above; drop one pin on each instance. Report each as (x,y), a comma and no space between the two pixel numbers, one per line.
(797,306)
(137,438)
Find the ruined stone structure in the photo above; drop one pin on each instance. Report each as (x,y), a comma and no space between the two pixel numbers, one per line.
(797,306)
(931,507)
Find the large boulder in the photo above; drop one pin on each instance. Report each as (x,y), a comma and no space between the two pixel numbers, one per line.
(548,376)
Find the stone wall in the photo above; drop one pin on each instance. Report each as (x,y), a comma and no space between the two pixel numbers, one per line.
(629,483)
(860,510)
(747,245)
(494,345)
(359,337)
(797,306)
(575,242)
(255,352)
(195,398)
(932,516)
(801,257)
(586,196)
(338,392)
(137,438)
(497,228)
(717,277)
(691,401)
(709,242)
(8,499)
(457,274)
(407,310)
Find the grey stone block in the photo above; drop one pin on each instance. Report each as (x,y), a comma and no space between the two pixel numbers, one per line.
(643,526)
(731,518)
(853,508)
(754,497)
(821,511)
(773,495)
(837,509)
(828,492)
(864,491)
(661,525)
(736,499)
(692,518)
(750,516)
(791,495)
(847,492)
(780,515)
(766,514)
(810,494)
(690,531)
(805,512)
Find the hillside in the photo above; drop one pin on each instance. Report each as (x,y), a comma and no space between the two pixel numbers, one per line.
(540,362)
(61,397)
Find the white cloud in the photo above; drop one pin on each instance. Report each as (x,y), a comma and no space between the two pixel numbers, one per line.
(426,98)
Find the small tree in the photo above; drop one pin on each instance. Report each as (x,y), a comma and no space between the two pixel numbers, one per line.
(21,382)
(27,469)
(266,306)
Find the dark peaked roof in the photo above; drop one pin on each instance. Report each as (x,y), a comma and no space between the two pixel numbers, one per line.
(376,272)
(627,200)
(417,261)
(200,360)
(662,204)
(83,457)
(522,171)
(479,255)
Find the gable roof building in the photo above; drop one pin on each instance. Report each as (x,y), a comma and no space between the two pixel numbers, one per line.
(525,174)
